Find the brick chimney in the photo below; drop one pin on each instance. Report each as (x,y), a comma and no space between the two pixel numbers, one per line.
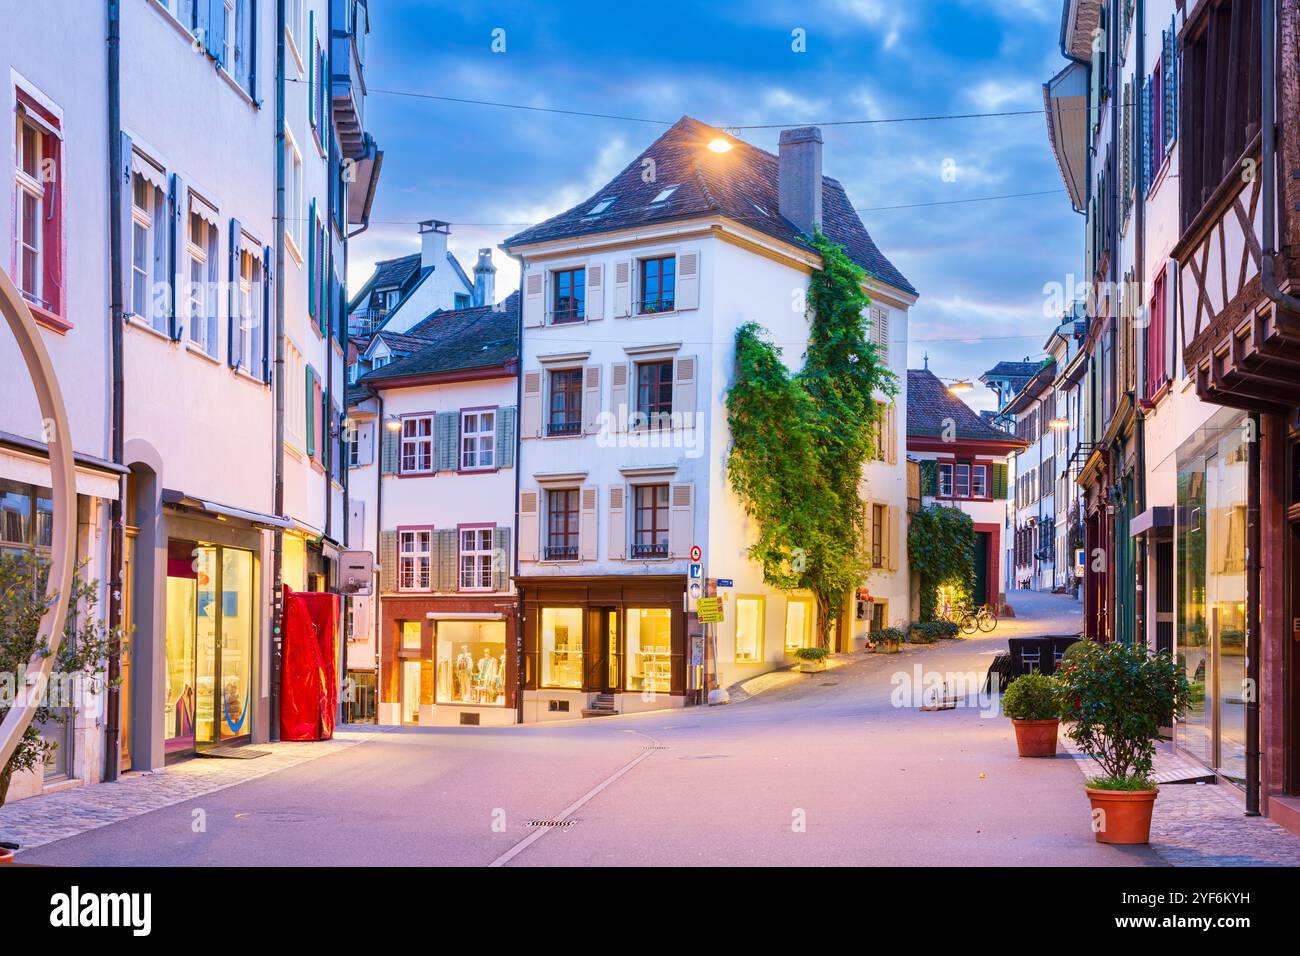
(433,243)
(485,279)
(800,177)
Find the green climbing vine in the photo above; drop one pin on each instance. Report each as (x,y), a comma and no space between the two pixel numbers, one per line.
(941,550)
(799,440)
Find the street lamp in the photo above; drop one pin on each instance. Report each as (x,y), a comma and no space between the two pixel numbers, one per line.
(960,386)
(1059,424)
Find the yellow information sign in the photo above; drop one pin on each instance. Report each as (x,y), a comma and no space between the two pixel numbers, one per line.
(710,610)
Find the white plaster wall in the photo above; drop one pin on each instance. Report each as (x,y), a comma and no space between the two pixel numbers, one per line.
(437,291)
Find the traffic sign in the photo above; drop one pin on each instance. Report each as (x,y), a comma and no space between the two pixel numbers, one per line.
(697,553)
(710,610)
(697,571)
(726,583)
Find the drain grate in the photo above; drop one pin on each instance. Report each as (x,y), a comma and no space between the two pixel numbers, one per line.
(551,824)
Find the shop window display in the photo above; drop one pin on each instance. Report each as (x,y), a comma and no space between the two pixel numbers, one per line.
(649,649)
(471,662)
(561,647)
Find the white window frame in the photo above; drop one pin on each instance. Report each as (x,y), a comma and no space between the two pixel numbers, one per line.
(28,185)
(142,272)
(478,446)
(948,492)
(979,488)
(417,443)
(415,564)
(202,299)
(476,561)
(296,202)
(250,309)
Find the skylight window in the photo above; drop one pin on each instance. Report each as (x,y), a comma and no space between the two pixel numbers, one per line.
(601,206)
(663,196)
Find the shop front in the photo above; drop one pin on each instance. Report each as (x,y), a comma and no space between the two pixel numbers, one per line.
(620,641)
(449,661)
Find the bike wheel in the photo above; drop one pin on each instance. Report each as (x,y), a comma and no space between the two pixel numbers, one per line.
(988,621)
(968,625)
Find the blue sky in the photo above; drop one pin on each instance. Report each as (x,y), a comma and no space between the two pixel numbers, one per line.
(980,268)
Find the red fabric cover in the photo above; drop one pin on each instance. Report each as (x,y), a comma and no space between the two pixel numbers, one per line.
(308,685)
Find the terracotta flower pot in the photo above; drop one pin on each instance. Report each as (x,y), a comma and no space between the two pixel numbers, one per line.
(6,856)
(1122,816)
(811,667)
(1036,738)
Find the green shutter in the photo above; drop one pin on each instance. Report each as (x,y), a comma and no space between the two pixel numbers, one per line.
(446,432)
(389,452)
(929,478)
(312,77)
(388,561)
(999,480)
(501,559)
(505,450)
(311,413)
(312,237)
(446,558)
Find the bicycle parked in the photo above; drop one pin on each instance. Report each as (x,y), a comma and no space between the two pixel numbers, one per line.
(971,619)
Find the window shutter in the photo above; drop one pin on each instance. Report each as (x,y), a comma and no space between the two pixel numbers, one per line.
(890,538)
(125,202)
(999,488)
(688,280)
(311,412)
(930,478)
(529,525)
(387,561)
(681,519)
(446,560)
(619,373)
(446,454)
(530,425)
(622,289)
(684,388)
(595,306)
(587,523)
(202,22)
(234,316)
(535,299)
(505,439)
(878,334)
(312,233)
(591,387)
(216,35)
(617,522)
(319,407)
(1149,161)
(891,434)
(1169,65)
(312,78)
(389,450)
(501,559)
(179,273)
(265,331)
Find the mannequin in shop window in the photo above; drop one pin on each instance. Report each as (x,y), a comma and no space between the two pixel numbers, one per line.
(464,673)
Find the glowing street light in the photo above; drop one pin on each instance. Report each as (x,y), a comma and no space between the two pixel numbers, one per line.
(1059,424)
(961,386)
(719,145)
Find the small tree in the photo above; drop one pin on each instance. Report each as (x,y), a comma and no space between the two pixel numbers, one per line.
(799,441)
(80,656)
(1117,697)
(941,547)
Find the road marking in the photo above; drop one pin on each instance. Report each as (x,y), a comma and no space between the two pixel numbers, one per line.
(574,807)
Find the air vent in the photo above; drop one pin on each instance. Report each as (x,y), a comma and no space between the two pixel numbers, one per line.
(468,719)
(558,706)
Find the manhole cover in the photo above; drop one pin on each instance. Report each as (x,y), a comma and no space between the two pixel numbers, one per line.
(704,757)
(279,816)
(830,683)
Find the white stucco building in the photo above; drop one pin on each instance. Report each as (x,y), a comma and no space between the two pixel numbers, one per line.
(632,301)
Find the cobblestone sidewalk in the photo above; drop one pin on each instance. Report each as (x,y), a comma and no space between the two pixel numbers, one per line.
(1204,824)
(55,816)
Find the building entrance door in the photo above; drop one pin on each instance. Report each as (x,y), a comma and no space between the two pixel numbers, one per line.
(982,595)
(611,637)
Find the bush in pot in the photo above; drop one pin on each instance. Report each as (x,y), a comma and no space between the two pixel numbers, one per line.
(811,659)
(889,640)
(1033,702)
(1116,698)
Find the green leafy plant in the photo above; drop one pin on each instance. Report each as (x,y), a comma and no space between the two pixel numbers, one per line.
(1116,697)
(82,651)
(804,438)
(928,632)
(812,654)
(941,549)
(1074,651)
(890,635)
(1032,697)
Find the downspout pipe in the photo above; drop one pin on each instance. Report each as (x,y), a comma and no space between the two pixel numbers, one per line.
(1140,351)
(277,549)
(519,469)
(1253,542)
(379,530)
(116,163)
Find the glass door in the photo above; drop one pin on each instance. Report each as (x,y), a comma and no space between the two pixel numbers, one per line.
(235,665)
(205,632)
(179,698)
(612,656)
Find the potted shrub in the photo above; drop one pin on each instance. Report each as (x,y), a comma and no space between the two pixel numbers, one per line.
(811,659)
(1033,702)
(1116,697)
(889,640)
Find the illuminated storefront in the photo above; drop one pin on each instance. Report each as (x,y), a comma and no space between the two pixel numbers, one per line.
(620,640)
(1211,542)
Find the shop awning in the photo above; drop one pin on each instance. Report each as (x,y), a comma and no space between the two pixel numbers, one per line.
(179,499)
(1160,516)
(27,460)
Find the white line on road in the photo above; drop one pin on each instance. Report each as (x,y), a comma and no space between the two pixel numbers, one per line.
(573,808)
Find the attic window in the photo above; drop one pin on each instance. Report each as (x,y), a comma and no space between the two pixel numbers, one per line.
(663,196)
(601,206)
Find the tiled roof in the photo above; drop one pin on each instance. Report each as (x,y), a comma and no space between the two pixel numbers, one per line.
(355,394)
(457,340)
(403,342)
(395,273)
(740,184)
(930,407)
(1024,370)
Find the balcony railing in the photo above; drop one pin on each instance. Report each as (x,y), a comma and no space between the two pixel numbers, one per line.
(650,550)
(564,428)
(366,321)
(566,552)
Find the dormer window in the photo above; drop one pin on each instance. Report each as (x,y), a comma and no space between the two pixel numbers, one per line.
(601,206)
(663,196)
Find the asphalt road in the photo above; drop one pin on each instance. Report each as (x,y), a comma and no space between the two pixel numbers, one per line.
(827,771)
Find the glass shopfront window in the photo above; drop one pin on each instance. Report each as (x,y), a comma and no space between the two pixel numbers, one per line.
(471,662)
(561,647)
(798,623)
(1212,593)
(649,649)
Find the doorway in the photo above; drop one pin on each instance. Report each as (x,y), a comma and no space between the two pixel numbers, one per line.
(982,595)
